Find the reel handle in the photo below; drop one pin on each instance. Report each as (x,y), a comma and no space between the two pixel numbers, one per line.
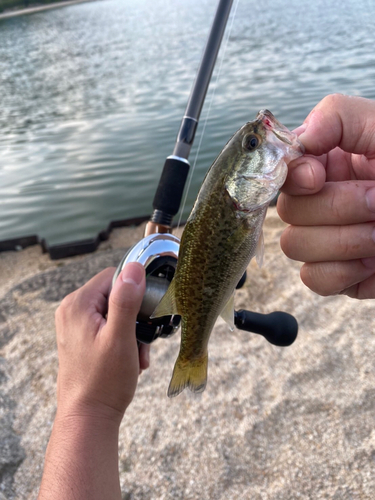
(279,328)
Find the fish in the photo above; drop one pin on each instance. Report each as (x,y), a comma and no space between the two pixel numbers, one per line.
(221,236)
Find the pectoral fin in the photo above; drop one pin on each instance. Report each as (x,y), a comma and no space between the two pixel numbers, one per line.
(259,253)
(167,306)
(228,313)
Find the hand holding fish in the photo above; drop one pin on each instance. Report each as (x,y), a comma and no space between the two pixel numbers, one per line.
(329,199)
(99,364)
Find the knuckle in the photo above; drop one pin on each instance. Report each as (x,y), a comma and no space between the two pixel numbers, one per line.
(67,302)
(287,241)
(335,203)
(67,306)
(331,101)
(368,132)
(129,305)
(282,207)
(344,244)
(329,278)
(342,274)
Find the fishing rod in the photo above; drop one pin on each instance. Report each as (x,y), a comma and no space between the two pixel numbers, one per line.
(169,192)
(158,250)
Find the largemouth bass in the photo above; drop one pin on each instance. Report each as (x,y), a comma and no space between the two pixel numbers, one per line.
(222,234)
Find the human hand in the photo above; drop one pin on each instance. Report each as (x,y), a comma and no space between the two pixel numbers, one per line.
(329,199)
(99,364)
(99,361)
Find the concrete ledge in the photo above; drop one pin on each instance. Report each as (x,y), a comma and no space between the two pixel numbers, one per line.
(71,248)
(39,8)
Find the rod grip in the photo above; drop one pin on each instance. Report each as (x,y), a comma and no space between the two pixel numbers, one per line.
(279,328)
(171,185)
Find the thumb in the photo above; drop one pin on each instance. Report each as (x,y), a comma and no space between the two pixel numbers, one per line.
(340,121)
(126,297)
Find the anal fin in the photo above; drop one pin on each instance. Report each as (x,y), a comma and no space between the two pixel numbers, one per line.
(167,306)
(228,312)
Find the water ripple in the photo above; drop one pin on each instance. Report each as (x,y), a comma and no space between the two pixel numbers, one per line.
(92,96)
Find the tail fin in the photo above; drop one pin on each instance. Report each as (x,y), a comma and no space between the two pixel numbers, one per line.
(192,374)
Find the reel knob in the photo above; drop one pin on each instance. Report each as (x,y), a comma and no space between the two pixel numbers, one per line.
(278,328)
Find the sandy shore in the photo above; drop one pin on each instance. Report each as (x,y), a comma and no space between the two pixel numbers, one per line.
(274,423)
(38,8)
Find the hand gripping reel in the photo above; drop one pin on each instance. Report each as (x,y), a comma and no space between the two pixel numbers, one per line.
(158,253)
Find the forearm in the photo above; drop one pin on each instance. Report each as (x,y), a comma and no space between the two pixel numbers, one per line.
(81,460)
(99,364)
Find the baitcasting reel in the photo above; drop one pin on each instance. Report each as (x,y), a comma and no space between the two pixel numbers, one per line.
(158,253)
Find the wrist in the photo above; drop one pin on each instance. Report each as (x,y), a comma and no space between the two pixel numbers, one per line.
(100,419)
(93,410)
(85,432)
(82,457)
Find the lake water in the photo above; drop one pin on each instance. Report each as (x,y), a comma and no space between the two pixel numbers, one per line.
(92,95)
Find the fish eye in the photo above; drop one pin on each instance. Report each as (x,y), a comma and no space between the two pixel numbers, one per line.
(251,142)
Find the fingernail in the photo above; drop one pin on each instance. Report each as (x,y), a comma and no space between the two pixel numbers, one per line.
(133,273)
(370,199)
(303,176)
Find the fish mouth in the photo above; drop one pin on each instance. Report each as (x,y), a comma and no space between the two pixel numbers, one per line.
(278,129)
(283,137)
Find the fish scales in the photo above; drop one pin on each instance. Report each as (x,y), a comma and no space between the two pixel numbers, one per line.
(221,236)
(216,252)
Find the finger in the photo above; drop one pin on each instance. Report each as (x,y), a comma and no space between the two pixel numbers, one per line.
(355,278)
(363,290)
(144,356)
(329,243)
(306,175)
(88,304)
(126,298)
(101,282)
(341,121)
(94,294)
(338,203)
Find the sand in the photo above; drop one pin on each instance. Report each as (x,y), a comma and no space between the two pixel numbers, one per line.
(274,423)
